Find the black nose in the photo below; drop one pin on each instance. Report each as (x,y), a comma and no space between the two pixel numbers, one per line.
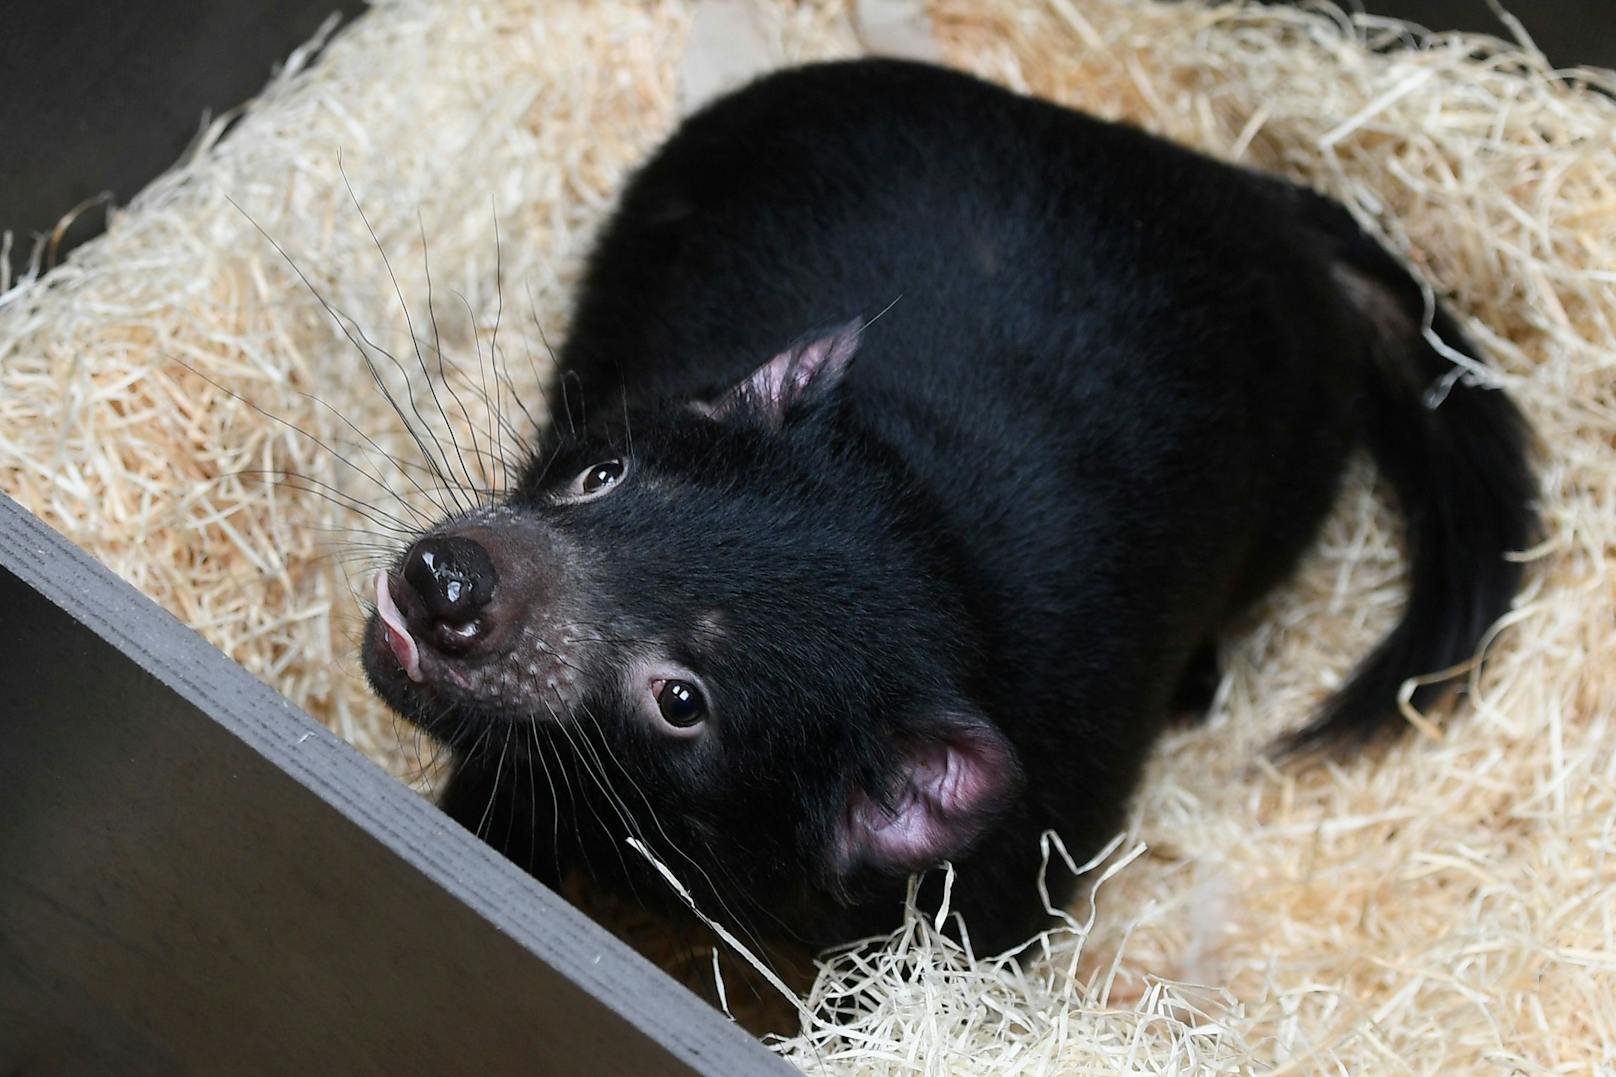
(453,575)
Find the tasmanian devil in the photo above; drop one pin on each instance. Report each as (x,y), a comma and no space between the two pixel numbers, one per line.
(918,439)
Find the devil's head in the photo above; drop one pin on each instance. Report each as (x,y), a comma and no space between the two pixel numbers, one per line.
(733,614)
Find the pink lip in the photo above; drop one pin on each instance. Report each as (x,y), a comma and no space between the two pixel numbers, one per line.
(395,630)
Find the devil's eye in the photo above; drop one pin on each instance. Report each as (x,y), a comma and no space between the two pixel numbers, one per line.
(596,480)
(601,475)
(680,702)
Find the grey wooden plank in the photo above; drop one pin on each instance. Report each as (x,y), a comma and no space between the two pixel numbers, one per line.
(195,877)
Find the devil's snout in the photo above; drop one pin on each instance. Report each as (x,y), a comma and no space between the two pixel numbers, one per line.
(463,597)
(450,582)
(453,576)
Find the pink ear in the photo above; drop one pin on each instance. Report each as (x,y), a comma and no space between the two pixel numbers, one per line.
(798,374)
(951,783)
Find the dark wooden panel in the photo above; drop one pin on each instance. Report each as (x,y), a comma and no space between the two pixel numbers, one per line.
(103,95)
(1570,32)
(197,878)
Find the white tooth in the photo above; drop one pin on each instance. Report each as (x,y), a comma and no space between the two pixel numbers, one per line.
(399,638)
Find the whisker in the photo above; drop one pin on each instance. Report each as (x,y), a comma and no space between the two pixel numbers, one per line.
(493,344)
(343,323)
(342,500)
(566,407)
(409,320)
(878,315)
(499,774)
(315,439)
(369,509)
(471,427)
(628,431)
(712,887)
(582,763)
(555,802)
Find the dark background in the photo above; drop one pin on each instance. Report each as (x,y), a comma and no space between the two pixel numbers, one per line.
(102,95)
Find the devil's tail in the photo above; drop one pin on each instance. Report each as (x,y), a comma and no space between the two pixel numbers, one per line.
(1457,456)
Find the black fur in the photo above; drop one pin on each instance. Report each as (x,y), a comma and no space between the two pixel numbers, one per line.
(1107,405)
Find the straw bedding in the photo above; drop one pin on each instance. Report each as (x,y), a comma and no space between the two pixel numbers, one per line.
(1448,903)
